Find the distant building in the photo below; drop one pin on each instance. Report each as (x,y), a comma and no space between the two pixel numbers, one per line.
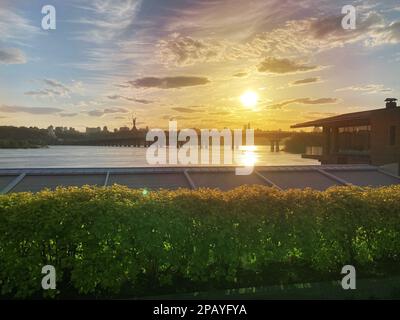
(93,130)
(124,129)
(371,137)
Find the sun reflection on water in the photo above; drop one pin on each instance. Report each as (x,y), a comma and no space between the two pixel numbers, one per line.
(247,156)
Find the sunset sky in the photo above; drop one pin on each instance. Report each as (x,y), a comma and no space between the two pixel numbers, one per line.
(192,60)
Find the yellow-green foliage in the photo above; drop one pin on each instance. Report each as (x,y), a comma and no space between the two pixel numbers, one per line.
(104,240)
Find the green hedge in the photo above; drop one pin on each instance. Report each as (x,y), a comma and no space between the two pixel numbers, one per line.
(119,242)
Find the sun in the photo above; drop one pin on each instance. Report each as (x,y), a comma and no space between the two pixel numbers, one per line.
(249,99)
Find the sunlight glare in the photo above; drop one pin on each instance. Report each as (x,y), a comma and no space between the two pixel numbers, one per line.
(248,156)
(249,99)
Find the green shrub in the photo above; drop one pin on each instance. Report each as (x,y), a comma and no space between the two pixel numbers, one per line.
(115,241)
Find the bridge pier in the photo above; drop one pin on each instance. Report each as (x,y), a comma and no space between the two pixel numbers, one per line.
(275,146)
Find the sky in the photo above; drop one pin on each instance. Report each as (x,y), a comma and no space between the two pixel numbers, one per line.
(192,61)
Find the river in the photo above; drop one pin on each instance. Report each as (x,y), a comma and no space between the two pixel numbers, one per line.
(91,156)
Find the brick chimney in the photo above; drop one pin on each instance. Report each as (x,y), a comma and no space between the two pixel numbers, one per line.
(391,103)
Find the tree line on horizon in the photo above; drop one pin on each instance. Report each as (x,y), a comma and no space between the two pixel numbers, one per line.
(33,137)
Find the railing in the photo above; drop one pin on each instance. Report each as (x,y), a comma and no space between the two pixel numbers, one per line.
(318,151)
(351,152)
(314,151)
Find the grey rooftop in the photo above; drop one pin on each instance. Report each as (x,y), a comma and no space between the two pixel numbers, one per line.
(319,177)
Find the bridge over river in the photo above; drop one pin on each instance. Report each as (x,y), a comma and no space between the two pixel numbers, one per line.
(129,139)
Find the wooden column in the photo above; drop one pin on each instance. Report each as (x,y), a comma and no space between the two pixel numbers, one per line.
(335,140)
(326,147)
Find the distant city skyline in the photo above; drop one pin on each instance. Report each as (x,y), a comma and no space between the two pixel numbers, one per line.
(204,63)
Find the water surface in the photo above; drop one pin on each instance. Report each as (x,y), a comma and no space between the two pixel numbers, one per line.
(92,156)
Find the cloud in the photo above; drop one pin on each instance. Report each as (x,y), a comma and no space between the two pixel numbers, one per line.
(114,29)
(144,101)
(14,27)
(329,27)
(305,81)
(116,110)
(370,28)
(218,29)
(169,82)
(317,115)
(186,109)
(308,101)
(31,110)
(286,37)
(368,88)
(313,35)
(282,66)
(220,113)
(122,85)
(115,97)
(119,97)
(12,56)
(44,93)
(185,51)
(175,118)
(96,113)
(240,74)
(67,115)
(107,19)
(388,34)
(233,19)
(100,113)
(54,88)
(56,84)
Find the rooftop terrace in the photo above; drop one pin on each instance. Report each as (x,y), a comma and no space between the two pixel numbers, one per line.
(224,178)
